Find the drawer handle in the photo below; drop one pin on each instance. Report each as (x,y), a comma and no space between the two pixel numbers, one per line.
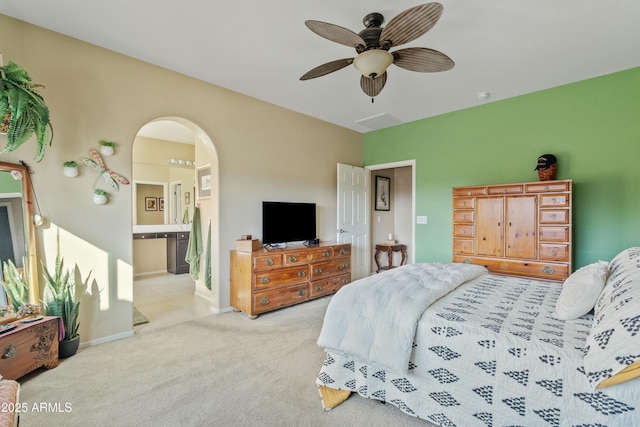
(301,292)
(553,201)
(269,261)
(553,216)
(464,216)
(547,269)
(318,288)
(464,247)
(318,270)
(342,251)
(504,191)
(466,261)
(301,273)
(293,258)
(553,234)
(264,301)
(464,203)
(344,265)
(554,252)
(326,254)
(9,351)
(464,231)
(345,280)
(264,280)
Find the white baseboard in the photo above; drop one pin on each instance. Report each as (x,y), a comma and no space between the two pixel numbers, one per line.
(106,339)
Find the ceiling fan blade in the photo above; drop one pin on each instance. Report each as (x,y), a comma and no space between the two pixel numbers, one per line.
(422,59)
(411,24)
(373,87)
(327,68)
(335,33)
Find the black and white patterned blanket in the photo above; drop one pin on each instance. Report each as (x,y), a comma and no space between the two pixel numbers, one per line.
(492,353)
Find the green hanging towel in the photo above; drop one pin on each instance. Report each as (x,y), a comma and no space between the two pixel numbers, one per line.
(185,216)
(194,247)
(207,260)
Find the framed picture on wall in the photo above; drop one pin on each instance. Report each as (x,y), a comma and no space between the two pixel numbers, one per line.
(161,203)
(383,201)
(204,182)
(150,203)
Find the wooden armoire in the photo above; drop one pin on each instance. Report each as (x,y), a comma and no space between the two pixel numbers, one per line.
(521,229)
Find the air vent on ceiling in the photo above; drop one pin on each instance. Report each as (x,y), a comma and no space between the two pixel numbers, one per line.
(379,121)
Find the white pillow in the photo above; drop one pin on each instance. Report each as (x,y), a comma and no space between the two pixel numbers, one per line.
(581,290)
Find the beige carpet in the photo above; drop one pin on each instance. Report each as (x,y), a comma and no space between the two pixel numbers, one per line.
(221,370)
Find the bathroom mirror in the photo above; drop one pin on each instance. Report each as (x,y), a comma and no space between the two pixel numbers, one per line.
(17,229)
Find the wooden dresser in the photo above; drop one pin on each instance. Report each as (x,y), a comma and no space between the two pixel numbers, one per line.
(28,347)
(264,280)
(519,229)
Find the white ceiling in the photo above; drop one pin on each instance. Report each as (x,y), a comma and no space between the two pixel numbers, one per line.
(261,48)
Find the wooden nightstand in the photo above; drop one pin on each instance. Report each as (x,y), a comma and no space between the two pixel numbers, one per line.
(389,249)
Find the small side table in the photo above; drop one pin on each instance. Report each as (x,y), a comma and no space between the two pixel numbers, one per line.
(389,249)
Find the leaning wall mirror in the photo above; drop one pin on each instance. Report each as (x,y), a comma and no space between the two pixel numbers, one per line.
(17,229)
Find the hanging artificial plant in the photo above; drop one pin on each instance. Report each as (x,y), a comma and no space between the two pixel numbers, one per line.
(22,110)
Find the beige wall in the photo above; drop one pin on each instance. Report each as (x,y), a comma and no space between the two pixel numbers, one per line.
(261,152)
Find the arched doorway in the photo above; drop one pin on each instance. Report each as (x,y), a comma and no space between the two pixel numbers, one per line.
(171,155)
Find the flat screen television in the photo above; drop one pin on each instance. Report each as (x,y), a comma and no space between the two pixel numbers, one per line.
(284,222)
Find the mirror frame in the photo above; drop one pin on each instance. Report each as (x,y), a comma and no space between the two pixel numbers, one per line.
(29,228)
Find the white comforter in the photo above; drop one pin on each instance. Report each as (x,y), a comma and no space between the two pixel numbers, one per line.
(363,319)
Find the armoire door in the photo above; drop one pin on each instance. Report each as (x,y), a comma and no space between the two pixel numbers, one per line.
(521,227)
(490,226)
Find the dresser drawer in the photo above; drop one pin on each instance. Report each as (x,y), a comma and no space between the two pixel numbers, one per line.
(282,297)
(328,286)
(463,246)
(548,186)
(464,203)
(505,189)
(553,200)
(342,250)
(329,268)
(470,191)
(462,230)
(554,234)
(267,261)
(554,252)
(281,277)
(543,270)
(306,255)
(554,216)
(461,216)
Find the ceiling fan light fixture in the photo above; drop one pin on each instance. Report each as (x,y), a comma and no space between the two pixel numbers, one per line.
(374,62)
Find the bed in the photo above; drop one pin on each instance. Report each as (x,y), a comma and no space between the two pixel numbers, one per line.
(472,348)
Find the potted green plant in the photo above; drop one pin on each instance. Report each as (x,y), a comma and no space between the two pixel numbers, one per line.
(14,286)
(106,147)
(99,196)
(61,297)
(22,110)
(70,169)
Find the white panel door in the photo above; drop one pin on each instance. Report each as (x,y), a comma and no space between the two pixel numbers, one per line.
(353,216)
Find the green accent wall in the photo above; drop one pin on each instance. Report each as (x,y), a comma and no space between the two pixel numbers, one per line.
(593,128)
(8,184)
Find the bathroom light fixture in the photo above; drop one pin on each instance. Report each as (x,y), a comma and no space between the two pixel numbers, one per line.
(180,162)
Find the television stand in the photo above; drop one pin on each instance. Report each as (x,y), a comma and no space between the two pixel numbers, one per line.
(266,280)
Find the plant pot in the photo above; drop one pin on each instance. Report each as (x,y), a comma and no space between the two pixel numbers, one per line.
(106,150)
(99,199)
(67,348)
(70,171)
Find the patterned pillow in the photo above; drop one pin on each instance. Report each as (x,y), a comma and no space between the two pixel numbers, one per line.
(613,343)
(581,290)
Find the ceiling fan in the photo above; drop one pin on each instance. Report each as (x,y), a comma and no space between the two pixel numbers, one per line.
(373,43)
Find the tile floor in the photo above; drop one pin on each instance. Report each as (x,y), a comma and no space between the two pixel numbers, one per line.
(167,299)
